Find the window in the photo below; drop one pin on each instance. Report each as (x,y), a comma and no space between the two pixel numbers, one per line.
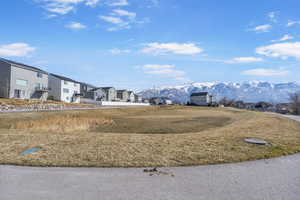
(75,85)
(66,82)
(21,82)
(38,85)
(65,90)
(19,94)
(39,75)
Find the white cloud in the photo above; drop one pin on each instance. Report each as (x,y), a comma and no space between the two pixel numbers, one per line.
(120,23)
(64,1)
(114,20)
(63,7)
(281,50)
(118,3)
(119,51)
(158,67)
(75,26)
(16,50)
(126,13)
(244,60)
(272,16)
(51,16)
(183,79)
(165,71)
(284,38)
(155,3)
(292,23)
(92,3)
(262,28)
(67,1)
(122,19)
(175,48)
(265,72)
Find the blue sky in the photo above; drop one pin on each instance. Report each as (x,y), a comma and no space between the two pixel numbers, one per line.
(139,44)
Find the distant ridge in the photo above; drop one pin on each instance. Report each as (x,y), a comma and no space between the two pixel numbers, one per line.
(252,91)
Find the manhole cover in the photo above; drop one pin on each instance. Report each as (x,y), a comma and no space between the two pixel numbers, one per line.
(256,141)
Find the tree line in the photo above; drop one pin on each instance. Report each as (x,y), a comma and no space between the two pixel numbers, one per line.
(292,107)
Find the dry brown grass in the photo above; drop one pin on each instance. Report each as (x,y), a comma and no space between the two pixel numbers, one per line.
(21,102)
(61,124)
(90,146)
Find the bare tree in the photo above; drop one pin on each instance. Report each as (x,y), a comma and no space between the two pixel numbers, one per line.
(295,102)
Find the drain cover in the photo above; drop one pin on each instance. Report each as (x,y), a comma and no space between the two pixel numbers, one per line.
(256,141)
(30,151)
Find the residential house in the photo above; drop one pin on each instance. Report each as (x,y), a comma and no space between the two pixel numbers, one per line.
(263,106)
(201,99)
(283,108)
(145,100)
(160,101)
(64,89)
(110,93)
(122,95)
(250,106)
(96,94)
(239,104)
(22,81)
(131,96)
(138,98)
(85,88)
(168,101)
(155,101)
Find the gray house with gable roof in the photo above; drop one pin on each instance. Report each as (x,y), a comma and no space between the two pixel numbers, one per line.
(22,81)
(202,99)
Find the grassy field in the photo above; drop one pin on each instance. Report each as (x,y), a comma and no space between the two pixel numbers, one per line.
(144,137)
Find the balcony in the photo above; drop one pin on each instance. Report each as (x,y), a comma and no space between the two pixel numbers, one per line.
(78,95)
(41,89)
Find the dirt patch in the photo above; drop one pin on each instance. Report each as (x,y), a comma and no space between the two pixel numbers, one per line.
(165,125)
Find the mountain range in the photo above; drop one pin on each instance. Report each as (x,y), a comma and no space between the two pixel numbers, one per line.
(253,91)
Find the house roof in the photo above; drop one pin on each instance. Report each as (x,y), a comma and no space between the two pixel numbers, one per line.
(121,90)
(95,89)
(23,66)
(64,78)
(87,84)
(161,98)
(105,88)
(199,94)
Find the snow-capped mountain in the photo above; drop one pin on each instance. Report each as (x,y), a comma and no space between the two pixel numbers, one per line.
(253,91)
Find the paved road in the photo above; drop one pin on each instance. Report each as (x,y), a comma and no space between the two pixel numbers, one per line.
(294,117)
(275,179)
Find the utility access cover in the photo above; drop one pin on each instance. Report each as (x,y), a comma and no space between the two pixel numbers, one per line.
(256,141)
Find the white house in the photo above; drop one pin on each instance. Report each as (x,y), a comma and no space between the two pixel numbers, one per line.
(168,101)
(131,96)
(64,89)
(201,99)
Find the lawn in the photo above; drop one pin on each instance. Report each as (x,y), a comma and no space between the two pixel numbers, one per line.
(144,137)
